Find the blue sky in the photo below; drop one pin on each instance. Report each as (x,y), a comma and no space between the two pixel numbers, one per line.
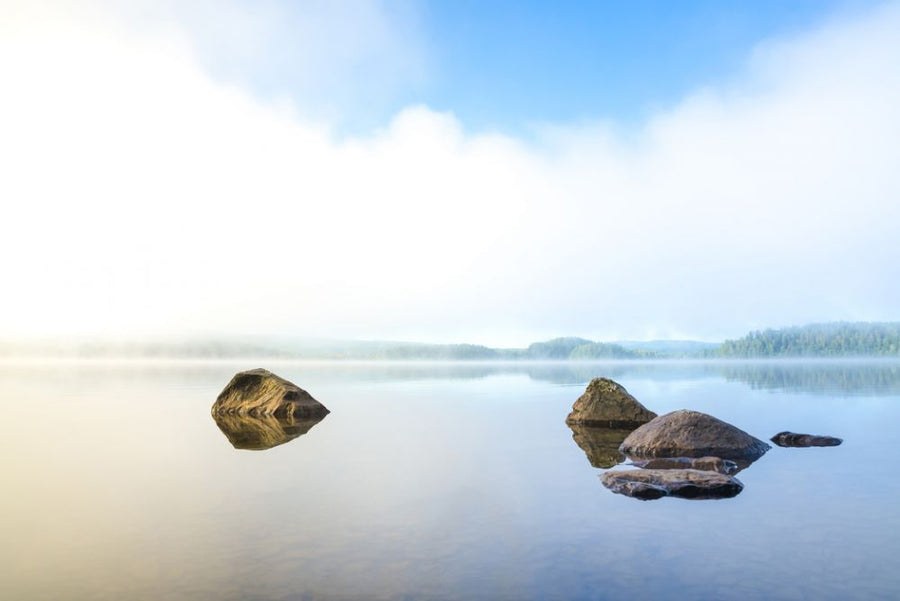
(506,64)
(457,172)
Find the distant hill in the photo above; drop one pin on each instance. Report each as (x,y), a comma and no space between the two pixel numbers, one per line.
(578,349)
(670,348)
(839,339)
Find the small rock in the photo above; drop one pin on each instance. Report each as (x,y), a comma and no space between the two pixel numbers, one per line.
(606,403)
(704,464)
(692,434)
(792,439)
(686,484)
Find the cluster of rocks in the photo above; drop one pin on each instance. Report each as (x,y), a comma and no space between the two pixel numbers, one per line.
(684,453)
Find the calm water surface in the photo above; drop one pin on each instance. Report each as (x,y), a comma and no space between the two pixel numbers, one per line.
(436,481)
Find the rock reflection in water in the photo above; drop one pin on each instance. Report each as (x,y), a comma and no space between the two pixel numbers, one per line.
(600,445)
(263,432)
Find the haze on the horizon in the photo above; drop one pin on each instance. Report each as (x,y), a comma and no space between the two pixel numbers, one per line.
(157,180)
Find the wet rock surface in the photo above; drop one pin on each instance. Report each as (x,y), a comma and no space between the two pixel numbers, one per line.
(687,433)
(600,445)
(264,432)
(792,439)
(259,392)
(606,403)
(705,464)
(687,484)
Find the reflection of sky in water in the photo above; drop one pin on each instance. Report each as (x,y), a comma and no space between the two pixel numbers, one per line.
(437,481)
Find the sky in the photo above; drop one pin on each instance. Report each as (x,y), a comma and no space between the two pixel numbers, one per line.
(493,173)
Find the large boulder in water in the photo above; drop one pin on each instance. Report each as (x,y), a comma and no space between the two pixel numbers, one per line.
(259,392)
(606,403)
(692,434)
(687,484)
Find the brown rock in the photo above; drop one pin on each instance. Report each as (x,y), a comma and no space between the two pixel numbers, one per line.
(692,434)
(259,392)
(792,439)
(607,403)
(687,484)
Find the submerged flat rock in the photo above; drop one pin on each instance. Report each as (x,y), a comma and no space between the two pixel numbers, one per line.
(606,403)
(687,433)
(259,392)
(705,464)
(686,484)
(792,439)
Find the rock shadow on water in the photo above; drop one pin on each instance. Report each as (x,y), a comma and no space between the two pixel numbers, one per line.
(600,445)
(258,433)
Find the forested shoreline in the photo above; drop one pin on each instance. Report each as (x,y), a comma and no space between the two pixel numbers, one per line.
(841,339)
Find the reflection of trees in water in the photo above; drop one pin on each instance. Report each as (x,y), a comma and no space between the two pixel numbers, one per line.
(555,372)
(813,377)
(582,373)
(849,378)
(879,378)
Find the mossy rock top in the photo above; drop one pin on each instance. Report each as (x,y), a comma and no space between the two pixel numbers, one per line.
(606,403)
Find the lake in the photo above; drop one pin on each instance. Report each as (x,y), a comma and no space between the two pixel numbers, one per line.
(436,481)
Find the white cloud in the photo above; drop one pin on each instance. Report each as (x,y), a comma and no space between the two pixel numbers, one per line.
(143,195)
(331,53)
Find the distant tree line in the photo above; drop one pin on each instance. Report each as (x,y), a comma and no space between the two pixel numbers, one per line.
(580,349)
(842,339)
